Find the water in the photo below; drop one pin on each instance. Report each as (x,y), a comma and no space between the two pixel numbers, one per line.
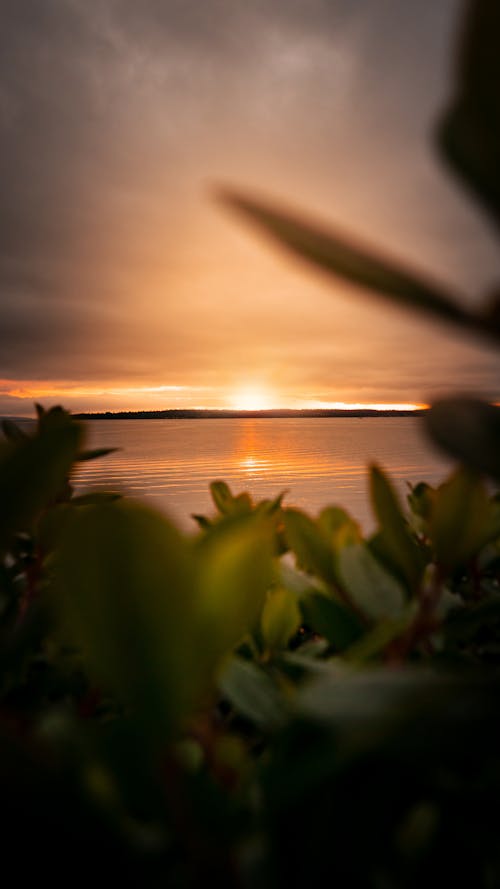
(319,461)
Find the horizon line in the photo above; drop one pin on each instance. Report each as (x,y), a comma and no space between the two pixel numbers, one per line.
(235,413)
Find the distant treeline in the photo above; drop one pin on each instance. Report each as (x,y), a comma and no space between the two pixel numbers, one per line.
(175,414)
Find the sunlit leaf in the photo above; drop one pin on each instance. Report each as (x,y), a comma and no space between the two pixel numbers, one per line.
(125,589)
(234,573)
(280,618)
(340,528)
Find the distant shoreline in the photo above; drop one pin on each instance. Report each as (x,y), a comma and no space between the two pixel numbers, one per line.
(188,414)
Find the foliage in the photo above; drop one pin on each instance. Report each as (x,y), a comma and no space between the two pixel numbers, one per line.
(274,694)
(277,699)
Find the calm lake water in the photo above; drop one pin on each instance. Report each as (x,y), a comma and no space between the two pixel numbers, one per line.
(320,461)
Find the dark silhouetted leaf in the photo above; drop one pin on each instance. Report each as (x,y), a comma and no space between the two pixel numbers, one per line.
(469,133)
(221,495)
(12,431)
(34,470)
(95,497)
(331,619)
(463,519)
(469,430)
(83,456)
(201,521)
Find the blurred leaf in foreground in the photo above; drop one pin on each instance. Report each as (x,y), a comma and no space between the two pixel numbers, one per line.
(124,584)
(469,430)
(34,469)
(469,133)
(339,255)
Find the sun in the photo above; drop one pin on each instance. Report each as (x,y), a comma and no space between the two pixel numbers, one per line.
(251,398)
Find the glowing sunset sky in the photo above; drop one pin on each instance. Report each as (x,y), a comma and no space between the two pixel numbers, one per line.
(125,286)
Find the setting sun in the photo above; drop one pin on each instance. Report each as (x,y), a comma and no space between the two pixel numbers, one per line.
(252,399)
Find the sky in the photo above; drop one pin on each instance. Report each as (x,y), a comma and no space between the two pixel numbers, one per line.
(125,285)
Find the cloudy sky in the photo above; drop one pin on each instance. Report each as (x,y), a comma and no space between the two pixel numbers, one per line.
(124,285)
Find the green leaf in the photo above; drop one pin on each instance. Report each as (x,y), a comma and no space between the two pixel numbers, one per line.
(421,499)
(469,132)
(462,519)
(331,619)
(280,618)
(252,693)
(337,254)
(226,503)
(124,586)
(469,430)
(373,590)
(296,581)
(235,571)
(310,546)
(34,470)
(395,537)
(201,521)
(339,527)
(222,497)
(375,641)
(271,507)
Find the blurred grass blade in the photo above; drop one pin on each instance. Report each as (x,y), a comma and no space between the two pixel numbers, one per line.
(339,255)
(469,132)
(469,430)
